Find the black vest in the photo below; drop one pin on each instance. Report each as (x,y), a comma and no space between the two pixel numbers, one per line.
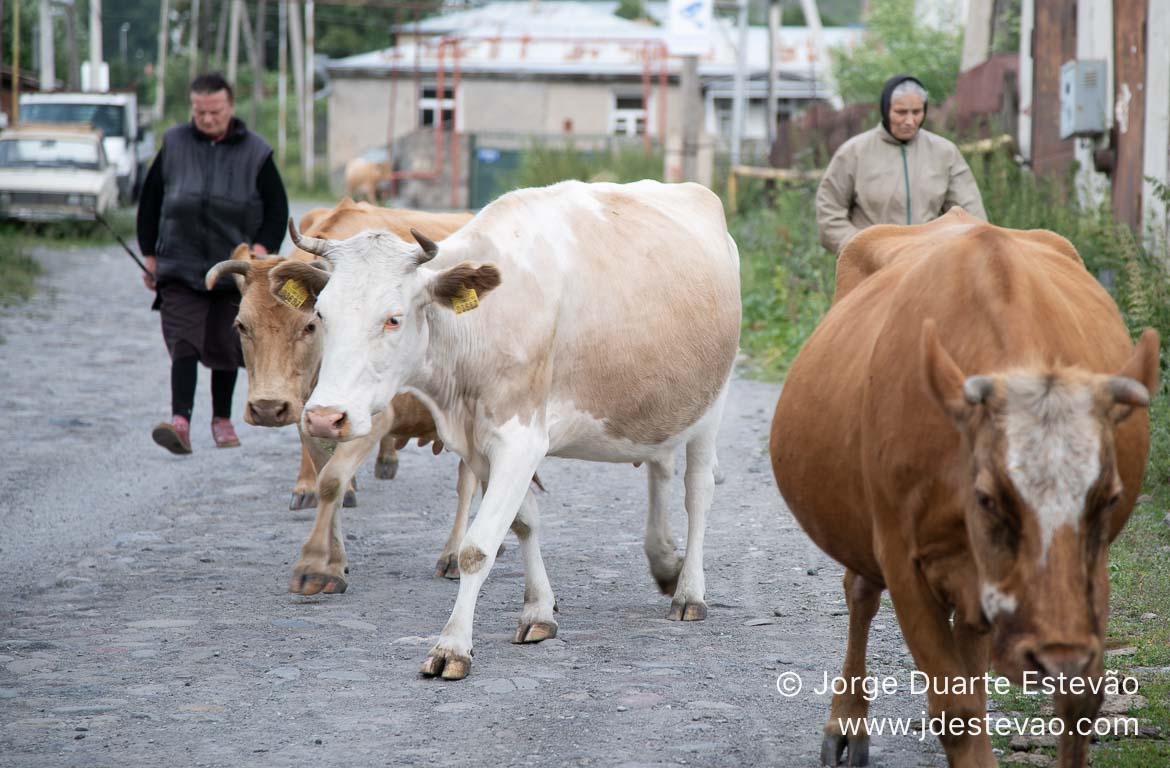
(210,203)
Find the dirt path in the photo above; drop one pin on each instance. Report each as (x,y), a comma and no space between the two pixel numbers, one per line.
(147,622)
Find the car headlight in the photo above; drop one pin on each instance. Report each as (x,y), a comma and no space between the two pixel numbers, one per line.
(5,199)
(73,199)
(89,201)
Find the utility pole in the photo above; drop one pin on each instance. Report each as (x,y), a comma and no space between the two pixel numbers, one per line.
(221,30)
(74,78)
(123,42)
(812,18)
(281,82)
(234,42)
(307,134)
(774,23)
(193,63)
(95,45)
(16,62)
(48,56)
(692,116)
(297,41)
(739,100)
(256,49)
(160,88)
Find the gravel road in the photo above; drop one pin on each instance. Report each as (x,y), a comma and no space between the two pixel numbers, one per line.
(150,624)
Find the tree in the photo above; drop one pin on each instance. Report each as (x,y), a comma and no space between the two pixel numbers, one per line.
(897,40)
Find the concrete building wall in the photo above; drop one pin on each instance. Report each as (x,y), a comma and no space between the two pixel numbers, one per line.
(359,116)
(360,109)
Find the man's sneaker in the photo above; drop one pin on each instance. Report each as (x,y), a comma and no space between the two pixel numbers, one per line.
(175,436)
(224,433)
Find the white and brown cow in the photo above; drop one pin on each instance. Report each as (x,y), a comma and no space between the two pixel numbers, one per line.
(589,321)
(282,353)
(967,428)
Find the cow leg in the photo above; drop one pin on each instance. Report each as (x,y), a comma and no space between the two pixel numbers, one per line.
(304,494)
(863,598)
(323,564)
(511,471)
(386,467)
(926,626)
(448,565)
(665,564)
(536,620)
(699,482)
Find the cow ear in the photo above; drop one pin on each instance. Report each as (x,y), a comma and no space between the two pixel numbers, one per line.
(943,378)
(297,284)
(463,286)
(1137,380)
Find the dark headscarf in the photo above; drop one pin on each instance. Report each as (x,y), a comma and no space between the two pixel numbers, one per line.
(887,95)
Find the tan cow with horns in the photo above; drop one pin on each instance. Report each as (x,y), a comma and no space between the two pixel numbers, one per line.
(282,352)
(967,428)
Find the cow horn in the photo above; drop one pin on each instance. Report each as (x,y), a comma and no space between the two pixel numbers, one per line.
(1127,391)
(430,250)
(313,245)
(239,269)
(977,388)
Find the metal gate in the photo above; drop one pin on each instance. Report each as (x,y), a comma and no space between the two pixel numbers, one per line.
(493,172)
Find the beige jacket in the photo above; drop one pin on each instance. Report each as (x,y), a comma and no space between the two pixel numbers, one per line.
(866,184)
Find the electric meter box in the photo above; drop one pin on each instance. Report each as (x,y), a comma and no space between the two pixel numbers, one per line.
(1082,98)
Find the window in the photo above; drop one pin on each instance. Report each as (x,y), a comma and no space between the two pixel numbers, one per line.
(429,103)
(628,116)
(106,117)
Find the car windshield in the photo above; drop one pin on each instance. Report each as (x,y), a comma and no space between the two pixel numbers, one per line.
(105,117)
(49,153)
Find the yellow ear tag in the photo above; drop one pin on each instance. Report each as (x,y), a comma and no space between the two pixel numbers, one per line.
(465,300)
(293,293)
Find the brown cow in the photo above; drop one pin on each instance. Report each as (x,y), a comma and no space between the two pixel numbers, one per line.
(989,499)
(283,354)
(363,177)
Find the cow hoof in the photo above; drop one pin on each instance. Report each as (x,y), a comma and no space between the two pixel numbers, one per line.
(386,469)
(447,567)
(350,499)
(308,583)
(834,747)
(535,632)
(303,500)
(446,664)
(687,611)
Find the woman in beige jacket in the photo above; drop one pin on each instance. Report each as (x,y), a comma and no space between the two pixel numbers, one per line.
(895,173)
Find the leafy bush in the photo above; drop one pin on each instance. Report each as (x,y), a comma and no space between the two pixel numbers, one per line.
(896,41)
(786,278)
(542,165)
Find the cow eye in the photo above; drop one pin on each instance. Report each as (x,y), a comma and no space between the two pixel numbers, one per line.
(241,328)
(310,329)
(986,502)
(393,323)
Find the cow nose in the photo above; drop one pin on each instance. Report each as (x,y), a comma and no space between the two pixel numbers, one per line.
(325,422)
(1067,659)
(269,413)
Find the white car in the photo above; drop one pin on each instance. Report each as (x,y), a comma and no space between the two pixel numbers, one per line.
(55,173)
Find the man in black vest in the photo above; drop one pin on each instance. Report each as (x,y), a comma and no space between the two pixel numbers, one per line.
(212,186)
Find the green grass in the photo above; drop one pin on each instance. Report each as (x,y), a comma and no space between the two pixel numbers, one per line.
(18,275)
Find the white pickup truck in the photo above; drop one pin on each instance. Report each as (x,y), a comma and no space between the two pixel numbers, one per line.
(128,146)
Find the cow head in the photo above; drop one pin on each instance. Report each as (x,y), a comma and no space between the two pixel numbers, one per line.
(1041,491)
(282,351)
(373,316)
